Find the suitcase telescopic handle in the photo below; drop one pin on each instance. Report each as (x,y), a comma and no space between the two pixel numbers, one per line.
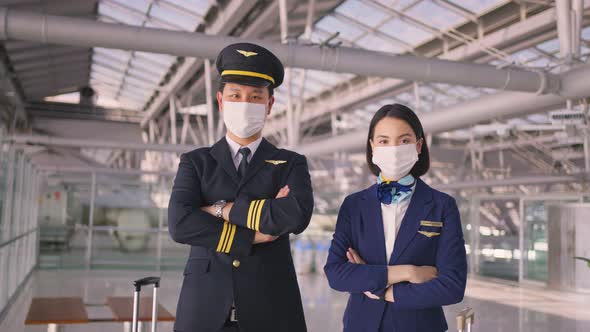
(138,284)
(146,281)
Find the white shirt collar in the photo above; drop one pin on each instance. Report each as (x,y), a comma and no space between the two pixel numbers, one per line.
(234,147)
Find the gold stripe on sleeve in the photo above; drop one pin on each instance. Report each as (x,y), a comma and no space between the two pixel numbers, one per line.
(250,210)
(230,241)
(222,237)
(258,212)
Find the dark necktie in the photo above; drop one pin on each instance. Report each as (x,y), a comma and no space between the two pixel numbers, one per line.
(245,152)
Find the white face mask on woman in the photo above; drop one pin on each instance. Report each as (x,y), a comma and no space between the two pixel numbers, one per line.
(395,162)
(244,119)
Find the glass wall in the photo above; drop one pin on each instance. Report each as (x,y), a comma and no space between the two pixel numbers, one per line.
(108,222)
(536,219)
(19,184)
(498,228)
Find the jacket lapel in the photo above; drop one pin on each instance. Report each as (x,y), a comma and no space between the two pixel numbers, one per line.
(420,205)
(264,152)
(222,154)
(373,220)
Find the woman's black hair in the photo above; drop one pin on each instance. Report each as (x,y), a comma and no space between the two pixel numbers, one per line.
(404,113)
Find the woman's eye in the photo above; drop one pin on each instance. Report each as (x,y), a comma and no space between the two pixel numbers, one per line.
(383,142)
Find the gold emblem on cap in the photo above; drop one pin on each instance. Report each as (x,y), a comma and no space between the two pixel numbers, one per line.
(247,54)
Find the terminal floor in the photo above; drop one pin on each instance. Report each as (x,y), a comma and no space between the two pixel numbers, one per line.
(499,307)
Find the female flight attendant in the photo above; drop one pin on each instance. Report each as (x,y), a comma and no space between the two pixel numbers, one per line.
(398,248)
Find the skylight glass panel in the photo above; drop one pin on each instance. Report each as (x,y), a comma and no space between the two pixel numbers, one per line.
(405,32)
(113,53)
(142,75)
(373,42)
(108,71)
(198,6)
(317,36)
(108,61)
(524,56)
(141,82)
(163,59)
(550,46)
(359,11)
(436,16)
(139,5)
(130,96)
(478,6)
(172,17)
(102,78)
(119,14)
(333,25)
(126,89)
(397,4)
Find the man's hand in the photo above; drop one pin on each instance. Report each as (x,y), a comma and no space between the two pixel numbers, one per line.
(263,238)
(284,192)
(209,209)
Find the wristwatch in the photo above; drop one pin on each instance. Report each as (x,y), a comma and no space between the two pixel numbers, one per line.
(219,205)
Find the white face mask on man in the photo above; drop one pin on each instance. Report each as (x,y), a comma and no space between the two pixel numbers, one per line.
(244,119)
(395,162)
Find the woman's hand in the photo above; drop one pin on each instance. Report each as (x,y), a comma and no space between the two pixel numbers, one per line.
(421,274)
(355,258)
(389,294)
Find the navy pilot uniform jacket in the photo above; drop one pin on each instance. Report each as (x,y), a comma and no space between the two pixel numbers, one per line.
(224,267)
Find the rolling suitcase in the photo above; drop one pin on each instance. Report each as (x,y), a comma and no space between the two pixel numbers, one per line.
(138,284)
(465,320)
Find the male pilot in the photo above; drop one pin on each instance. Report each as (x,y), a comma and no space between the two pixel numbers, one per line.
(235,203)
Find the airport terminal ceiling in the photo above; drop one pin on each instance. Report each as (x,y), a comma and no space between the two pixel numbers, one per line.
(69,103)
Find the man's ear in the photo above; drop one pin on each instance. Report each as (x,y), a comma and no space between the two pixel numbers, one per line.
(220,100)
(271,101)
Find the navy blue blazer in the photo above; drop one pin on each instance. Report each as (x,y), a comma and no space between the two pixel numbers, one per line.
(417,307)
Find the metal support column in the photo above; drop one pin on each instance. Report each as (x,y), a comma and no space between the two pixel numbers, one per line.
(284,23)
(208,95)
(172,109)
(91,221)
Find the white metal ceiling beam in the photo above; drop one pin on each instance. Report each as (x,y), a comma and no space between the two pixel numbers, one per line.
(96,144)
(501,105)
(525,180)
(65,30)
(363,92)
